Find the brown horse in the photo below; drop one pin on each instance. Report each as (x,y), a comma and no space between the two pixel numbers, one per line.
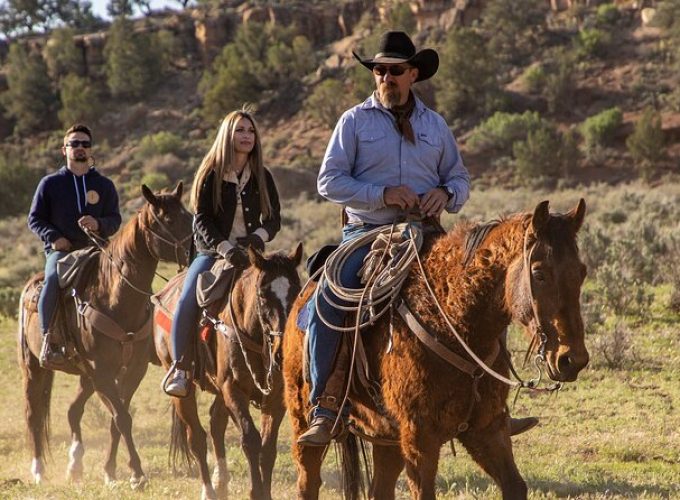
(525,268)
(246,372)
(118,285)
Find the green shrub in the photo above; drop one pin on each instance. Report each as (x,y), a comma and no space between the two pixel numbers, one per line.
(9,302)
(17,183)
(155,181)
(400,17)
(599,130)
(466,80)
(362,81)
(592,42)
(61,55)
(261,58)
(135,62)
(30,99)
(512,26)
(646,143)
(607,15)
(560,84)
(80,101)
(502,130)
(534,78)
(327,102)
(539,156)
(160,143)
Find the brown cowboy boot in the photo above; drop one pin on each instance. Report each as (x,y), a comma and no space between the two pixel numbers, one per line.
(50,354)
(320,431)
(520,425)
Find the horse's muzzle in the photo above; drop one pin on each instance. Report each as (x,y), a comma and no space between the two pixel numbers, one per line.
(567,366)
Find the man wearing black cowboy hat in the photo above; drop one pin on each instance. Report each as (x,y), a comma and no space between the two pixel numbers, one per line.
(387,156)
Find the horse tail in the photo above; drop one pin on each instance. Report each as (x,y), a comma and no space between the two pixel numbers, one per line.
(179,446)
(352,480)
(37,384)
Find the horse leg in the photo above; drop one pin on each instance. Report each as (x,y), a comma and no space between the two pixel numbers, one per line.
(187,410)
(387,465)
(307,458)
(107,391)
(251,442)
(74,471)
(491,448)
(421,455)
(270,422)
(218,426)
(127,386)
(37,394)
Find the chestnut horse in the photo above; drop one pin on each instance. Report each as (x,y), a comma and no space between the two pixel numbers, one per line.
(118,285)
(525,268)
(246,372)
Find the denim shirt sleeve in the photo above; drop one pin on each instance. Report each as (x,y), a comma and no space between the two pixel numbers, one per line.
(452,172)
(335,181)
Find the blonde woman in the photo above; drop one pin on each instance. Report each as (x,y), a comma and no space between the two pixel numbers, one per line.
(235,205)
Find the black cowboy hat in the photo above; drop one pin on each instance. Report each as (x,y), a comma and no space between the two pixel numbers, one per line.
(396,47)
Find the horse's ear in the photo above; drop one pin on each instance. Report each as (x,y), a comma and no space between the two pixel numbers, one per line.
(256,258)
(148,194)
(177,193)
(296,255)
(539,221)
(576,215)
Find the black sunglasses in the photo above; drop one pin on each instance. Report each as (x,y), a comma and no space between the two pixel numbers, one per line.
(381,70)
(76,144)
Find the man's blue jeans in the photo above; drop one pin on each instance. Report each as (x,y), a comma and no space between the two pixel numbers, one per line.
(47,303)
(324,341)
(185,321)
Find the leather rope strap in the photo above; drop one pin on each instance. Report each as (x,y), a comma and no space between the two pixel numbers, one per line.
(440,349)
(104,324)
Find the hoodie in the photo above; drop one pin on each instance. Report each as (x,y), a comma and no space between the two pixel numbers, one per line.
(62,198)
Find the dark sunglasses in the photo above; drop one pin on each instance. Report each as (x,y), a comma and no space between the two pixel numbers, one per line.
(392,70)
(78,144)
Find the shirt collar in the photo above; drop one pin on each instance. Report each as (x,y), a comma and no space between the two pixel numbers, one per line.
(374,103)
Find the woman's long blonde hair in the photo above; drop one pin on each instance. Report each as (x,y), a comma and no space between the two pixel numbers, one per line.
(220,157)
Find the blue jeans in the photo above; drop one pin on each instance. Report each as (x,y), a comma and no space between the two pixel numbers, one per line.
(47,303)
(187,314)
(323,341)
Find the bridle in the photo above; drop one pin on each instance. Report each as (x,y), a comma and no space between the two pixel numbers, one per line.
(169,239)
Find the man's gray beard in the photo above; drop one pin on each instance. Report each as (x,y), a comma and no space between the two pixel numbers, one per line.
(390,97)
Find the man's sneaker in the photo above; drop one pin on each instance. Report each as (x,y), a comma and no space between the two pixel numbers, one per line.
(319,432)
(520,425)
(50,354)
(179,384)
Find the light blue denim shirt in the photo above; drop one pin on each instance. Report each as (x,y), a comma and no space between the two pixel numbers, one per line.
(367,153)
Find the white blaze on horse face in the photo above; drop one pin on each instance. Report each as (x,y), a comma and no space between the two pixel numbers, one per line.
(280,287)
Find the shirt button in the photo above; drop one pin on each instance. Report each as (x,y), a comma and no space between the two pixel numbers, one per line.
(247,209)
(249,224)
(243,193)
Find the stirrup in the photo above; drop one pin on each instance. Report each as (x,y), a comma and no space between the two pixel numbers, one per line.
(172,372)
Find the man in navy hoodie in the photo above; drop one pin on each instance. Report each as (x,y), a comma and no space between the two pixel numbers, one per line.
(67,202)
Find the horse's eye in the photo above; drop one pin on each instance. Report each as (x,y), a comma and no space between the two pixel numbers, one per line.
(538,274)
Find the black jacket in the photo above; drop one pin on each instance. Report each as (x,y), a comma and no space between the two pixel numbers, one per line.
(211,228)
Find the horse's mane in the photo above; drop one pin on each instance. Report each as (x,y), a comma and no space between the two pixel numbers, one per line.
(121,248)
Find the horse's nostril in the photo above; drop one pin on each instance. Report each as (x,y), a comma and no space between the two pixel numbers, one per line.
(564,363)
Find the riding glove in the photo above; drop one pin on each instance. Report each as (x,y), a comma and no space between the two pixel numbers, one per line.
(251,240)
(238,258)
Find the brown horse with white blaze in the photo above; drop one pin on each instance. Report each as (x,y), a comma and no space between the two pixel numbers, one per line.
(117,285)
(246,350)
(524,268)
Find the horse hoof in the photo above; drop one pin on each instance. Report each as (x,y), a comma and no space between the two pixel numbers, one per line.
(37,470)
(208,493)
(110,480)
(138,483)
(74,474)
(220,478)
